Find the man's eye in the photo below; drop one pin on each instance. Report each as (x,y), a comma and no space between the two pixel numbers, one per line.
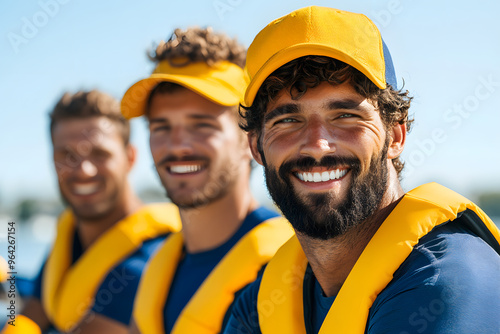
(100,154)
(160,128)
(347,115)
(204,125)
(286,120)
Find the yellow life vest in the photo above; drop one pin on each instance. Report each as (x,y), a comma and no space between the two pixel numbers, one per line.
(4,268)
(23,325)
(68,291)
(280,297)
(205,312)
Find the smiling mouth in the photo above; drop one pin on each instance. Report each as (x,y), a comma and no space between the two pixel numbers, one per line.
(324,176)
(85,189)
(184,169)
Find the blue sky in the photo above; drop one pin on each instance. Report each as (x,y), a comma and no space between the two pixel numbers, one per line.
(447,53)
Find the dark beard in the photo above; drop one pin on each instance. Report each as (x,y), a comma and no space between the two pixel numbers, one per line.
(315,216)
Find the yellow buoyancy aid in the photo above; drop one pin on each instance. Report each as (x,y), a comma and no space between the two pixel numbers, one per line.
(280,297)
(68,290)
(21,325)
(4,268)
(205,312)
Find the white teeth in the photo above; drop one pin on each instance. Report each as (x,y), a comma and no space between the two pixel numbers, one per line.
(182,169)
(85,189)
(322,177)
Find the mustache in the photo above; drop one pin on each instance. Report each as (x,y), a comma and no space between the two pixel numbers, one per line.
(329,162)
(172,158)
(97,178)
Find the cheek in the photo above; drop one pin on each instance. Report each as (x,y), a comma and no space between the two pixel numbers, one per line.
(276,147)
(362,141)
(116,166)
(157,148)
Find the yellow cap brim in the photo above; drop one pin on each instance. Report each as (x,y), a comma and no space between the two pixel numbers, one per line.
(223,84)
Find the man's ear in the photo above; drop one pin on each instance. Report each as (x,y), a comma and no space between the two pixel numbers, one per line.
(131,151)
(397,142)
(253,143)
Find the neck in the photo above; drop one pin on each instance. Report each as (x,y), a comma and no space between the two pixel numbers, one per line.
(89,230)
(211,225)
(332,260)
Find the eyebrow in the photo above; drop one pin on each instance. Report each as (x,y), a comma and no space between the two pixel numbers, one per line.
(202,116)
(156,120)
(344,104)
(193,116)
(281,110)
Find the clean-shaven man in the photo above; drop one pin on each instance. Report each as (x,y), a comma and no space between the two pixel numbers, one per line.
(204,162)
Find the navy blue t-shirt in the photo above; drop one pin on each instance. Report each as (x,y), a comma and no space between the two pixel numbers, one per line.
(115,297)
(194,268)
(450,283)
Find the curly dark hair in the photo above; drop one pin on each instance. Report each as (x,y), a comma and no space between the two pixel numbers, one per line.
(199,45)
(308,72)
(86,104)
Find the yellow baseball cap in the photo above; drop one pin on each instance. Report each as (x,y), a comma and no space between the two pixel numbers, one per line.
(222,83)
(321,31)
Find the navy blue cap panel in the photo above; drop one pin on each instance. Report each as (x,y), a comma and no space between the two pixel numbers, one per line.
(390,73)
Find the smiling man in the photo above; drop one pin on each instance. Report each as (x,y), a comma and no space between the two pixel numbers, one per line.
(326,120)
(204,163)
(105,237)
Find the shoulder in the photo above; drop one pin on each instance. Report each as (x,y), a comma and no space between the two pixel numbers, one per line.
(141,256)
(115,296)
(262,214)
(451,252)
(451,272)
(244,317)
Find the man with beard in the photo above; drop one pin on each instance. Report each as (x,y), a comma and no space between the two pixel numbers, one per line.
(204,163)
(325,119)
(105,237)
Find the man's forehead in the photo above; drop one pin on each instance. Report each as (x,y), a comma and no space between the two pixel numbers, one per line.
(96,130)
(188,104)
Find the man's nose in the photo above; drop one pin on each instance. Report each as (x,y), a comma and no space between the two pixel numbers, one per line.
(180,142)
(87,168)
(318,140)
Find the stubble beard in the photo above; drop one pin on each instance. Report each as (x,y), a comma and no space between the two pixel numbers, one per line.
(92,211)
(217,187)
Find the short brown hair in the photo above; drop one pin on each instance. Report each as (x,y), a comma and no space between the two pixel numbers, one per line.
(308,72)
(199,45)
(86,104)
